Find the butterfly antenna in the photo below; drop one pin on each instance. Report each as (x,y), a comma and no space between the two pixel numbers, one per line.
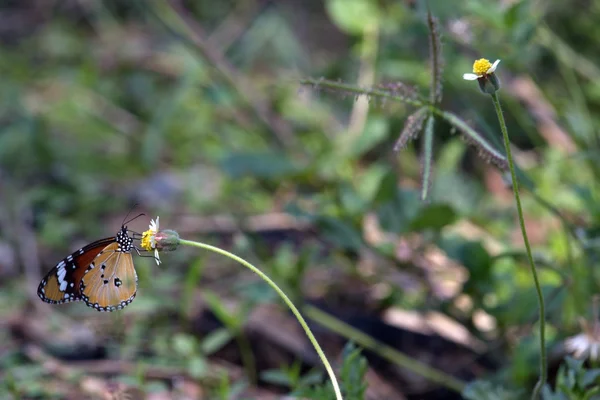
(129,212)
(132,219)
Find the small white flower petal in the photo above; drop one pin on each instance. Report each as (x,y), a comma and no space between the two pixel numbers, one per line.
(470,77)
(149,237)
(576,344)
(583,346)
(493,67)
(156,257)
(594,350)
(154,225)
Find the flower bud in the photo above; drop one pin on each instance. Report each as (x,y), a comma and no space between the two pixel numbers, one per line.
(167,240)
(489,83)
(483,71)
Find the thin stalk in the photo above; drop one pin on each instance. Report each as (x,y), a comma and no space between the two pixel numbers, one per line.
(288,302)
(355,90)
(487,151)
(427,161)
(515,185)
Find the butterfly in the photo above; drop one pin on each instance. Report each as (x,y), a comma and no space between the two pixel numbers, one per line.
(101,274)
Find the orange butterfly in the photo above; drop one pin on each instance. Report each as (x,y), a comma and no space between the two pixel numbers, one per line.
(101,274)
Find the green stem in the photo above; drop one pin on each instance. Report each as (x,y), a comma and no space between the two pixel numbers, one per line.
(515,184)
(336,387)
(488,151)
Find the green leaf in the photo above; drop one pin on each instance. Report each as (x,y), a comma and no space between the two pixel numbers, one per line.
(258,292)
(513,14)
(184,345)
(354,368)
(340,233)
(352,379)
(589,377)
(353,15)
(228,318)
(475,258)
(375,132)
(215,341)
(484,390)
(276,377)
(311,378)
(267,165)
(350,200)
(434,216)
(396,214)
(190,283)
(367,184)
(387,188)
(197,367)
(547,394)
(157,133)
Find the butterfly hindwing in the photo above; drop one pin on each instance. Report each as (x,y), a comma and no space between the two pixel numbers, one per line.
(61,284)
(110,282)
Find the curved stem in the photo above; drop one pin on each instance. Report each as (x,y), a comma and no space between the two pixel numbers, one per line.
(288,302)
(515,184)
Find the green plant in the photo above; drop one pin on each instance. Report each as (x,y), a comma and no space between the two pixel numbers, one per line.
(574,382)
(352,375)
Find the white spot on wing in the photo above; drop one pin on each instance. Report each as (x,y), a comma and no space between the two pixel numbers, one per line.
(62,272)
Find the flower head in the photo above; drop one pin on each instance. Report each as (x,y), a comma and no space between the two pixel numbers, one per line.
(483,72)
(587,344)
(481,68)
(149,242)
(159,240)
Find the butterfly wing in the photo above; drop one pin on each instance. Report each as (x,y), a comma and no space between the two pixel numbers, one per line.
(62,283)
(110,282)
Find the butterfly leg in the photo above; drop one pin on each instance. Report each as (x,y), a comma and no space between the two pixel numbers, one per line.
(147,255)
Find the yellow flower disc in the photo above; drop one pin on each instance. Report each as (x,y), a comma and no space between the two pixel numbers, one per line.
(481,66)
(146,243)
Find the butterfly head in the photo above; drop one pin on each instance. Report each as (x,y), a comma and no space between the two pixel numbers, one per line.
(124,241)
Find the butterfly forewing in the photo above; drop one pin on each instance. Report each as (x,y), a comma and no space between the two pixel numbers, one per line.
(102,274)
(61,284)
(111,281)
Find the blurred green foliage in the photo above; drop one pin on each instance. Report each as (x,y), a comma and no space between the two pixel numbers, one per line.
(104,104)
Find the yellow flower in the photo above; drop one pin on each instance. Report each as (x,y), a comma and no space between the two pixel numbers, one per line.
(483,72)
(481,68)
(148,242)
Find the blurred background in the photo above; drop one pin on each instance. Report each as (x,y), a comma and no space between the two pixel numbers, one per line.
(194,111)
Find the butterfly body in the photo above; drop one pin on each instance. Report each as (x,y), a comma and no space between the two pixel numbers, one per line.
(100,274)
